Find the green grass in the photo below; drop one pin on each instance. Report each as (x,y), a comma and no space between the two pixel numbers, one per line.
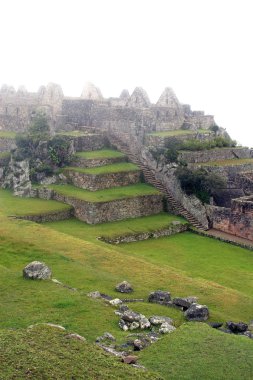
(233,162)
(99,154)
(89,232)
(45,353)
(10,205)
(196,351)
(105,195)
(7,134)
(5,154)
(91,266)
(179,132)
(106,169)
(75,133)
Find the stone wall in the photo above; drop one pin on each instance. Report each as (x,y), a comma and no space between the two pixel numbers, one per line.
(7,144)
(214,154)
(237,221)
(175,228)
(93,213)
(162,142)
(229,173)
(84,163)
(102,181)
(92,141)
(49,217)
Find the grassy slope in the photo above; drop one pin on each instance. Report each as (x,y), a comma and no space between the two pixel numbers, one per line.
(106,169)
(97,154)
(11,205)
(87,267)
(45,353)
(105,195)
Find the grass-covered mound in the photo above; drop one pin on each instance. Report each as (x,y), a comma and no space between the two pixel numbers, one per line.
(44,352)
(16,206)
(106,195)
(196,351)
(99,154)
(106,169)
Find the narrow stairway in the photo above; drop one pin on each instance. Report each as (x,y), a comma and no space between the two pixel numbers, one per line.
(150,178)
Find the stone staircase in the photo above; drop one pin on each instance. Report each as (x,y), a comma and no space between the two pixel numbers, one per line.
(151,179)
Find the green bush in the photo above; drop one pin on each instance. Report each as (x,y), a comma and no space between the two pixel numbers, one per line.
(59,150)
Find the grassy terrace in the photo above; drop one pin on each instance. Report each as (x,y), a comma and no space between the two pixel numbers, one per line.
(106,169)
(233,162)
(90,232)
(99,154)
(7,134)
(10,205)
(105,195)
(179,132)
(75,133)
(4,154)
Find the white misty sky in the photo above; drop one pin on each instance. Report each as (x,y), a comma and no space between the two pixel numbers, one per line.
(200,48)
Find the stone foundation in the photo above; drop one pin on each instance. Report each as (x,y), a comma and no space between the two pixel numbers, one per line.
(49,217)
(84,163)
(103,181)
(214,155)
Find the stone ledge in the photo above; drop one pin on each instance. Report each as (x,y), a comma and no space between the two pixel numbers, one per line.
(95,162)
(171,230)
(49,217)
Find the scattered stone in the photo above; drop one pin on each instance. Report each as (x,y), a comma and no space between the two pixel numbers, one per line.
(115,302)
(166,328)
(106,297)
(130,359)
(123,325)
(56,281)
(112,351)
(37,271)
(139,366)
(158,320)
(134,326)
(216,325)
(185,303)
(131,316)
(236,328)
(75,336)
(249,334)
(132,300)
(105,336)
(124,287)
(226,331)
(161,297)
(141,343)
(95,294)
(144,323)
(47,324)
(197,312)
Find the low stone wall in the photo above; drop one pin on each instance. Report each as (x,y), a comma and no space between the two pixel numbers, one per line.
(102,181)
(93,213)
(89,142)
(162,141)
(214,155)
(171,230)
(84,163)
(49,217)
(7,144)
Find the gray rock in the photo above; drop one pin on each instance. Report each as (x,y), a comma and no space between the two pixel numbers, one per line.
(106,337)
(115,302)
(185,303)
(76,337)
(236,328)
(131,316)
(144,323)
(216,325)
(160,296)
(37,271)
(124,325)
(158,320)
(197,312)
(166,328)
(141,343)
(95,294)
(134,326)
(124,287)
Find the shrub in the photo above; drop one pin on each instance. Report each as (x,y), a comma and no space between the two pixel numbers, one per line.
(59,150)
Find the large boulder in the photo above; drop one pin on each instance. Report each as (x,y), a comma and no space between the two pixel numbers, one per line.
(159,320)
(185,303)
(197,312)
(37,271)
(166,328)
(124,287)
(161,297)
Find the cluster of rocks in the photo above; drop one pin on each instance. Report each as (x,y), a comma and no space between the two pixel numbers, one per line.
(237,328)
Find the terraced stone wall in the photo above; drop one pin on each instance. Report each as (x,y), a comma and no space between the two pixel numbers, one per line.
(49,217)
(214,154)
(93,213)
(102,181)
(229,172)
(92,163)
(162,141)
